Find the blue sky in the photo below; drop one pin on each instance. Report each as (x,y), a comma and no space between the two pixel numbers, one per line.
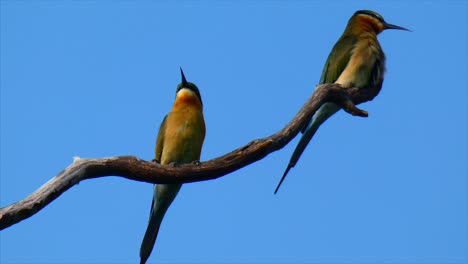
(95,79)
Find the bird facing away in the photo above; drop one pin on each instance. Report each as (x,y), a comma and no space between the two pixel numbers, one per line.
(356,60)
(179,140)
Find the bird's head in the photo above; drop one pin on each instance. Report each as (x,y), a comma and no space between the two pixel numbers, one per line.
(187,89)
(370,21)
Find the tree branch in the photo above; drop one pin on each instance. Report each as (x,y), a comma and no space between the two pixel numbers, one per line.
(133,168)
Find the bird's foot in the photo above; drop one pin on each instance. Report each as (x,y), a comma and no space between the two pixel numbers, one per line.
(156,161)
(196,163)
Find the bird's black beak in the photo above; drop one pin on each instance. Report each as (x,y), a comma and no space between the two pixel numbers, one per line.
(390,26)
(184,81)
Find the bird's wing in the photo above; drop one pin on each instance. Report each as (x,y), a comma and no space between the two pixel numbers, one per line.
(338,59)
(336,63)
(158,209)
(160,140)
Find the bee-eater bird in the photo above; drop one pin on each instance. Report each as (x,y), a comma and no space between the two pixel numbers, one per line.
(356,60)
(179,140)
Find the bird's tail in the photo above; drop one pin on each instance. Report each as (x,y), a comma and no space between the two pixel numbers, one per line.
(163,196)
(322,114)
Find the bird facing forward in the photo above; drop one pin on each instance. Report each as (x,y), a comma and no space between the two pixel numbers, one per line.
(179,140)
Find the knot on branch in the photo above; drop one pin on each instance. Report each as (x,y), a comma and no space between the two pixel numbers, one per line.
(342,97)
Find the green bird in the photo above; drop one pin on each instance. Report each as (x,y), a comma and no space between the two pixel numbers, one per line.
(356,60)
(180,139)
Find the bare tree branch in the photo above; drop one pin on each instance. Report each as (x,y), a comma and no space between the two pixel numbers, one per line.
(137,169)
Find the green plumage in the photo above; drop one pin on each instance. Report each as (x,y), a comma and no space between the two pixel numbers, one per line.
(338,59)
(356,60)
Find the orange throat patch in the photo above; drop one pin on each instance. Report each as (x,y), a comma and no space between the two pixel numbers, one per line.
(186,98)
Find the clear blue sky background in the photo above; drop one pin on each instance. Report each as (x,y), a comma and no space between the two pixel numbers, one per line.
(95,79)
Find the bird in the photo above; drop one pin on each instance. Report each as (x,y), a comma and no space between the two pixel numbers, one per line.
(356,60)
(179,140)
